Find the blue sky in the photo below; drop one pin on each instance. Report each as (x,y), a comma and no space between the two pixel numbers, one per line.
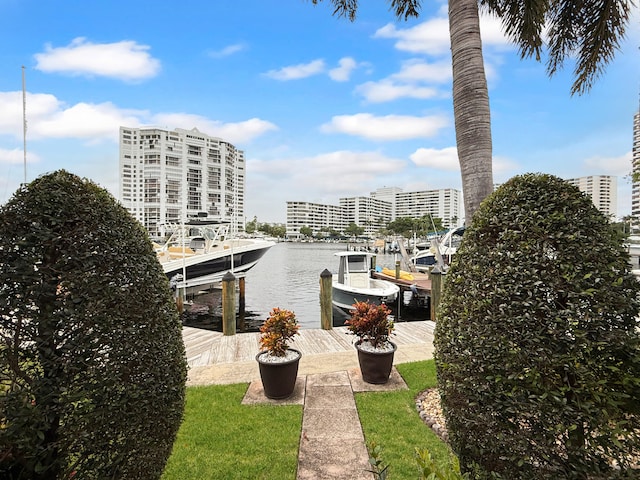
(323,108)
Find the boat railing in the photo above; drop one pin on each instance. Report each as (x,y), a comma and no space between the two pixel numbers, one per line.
(182,235)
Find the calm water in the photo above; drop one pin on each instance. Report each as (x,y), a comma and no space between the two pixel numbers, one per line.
(288,276)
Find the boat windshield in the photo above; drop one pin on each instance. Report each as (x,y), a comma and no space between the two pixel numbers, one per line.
(358,264)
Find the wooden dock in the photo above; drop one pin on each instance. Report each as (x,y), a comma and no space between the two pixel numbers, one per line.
(205,347)
(422,281)
(419,286)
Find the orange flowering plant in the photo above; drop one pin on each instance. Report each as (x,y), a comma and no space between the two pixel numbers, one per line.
(277,330)
(371,323)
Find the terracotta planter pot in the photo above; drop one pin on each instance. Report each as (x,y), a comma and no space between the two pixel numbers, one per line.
(279,379)
(375,366)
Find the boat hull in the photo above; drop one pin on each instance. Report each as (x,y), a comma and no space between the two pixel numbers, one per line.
(344,296)
(208,268)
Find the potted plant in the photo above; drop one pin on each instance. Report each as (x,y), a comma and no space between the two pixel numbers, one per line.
(278,363)
(373,326)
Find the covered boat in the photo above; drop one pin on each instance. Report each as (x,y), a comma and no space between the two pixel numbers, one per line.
(353,282)
(444,248)
(199,253)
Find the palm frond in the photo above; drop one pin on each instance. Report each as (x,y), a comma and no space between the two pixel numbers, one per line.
(349,8)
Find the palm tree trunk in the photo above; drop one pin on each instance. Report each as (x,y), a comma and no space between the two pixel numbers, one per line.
(470,104)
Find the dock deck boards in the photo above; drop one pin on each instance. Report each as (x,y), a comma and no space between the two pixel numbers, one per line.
(420,280)
(205,347)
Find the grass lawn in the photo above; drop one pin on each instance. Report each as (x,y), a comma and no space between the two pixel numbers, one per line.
(220,438)
(391,420)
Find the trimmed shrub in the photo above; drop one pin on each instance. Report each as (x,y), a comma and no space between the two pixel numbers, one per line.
(537,345)
(92,363)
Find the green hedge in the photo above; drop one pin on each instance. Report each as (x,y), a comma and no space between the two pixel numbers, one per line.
(537,343)
(92,363)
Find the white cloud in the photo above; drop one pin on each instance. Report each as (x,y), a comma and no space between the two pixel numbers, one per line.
(48,117)
(236,133)
(440,159)
(38,105)
(414,80)
(16,156)
(125,60)
(387,90)
(296,72)
(227,51)
(389,127)
(84,120)
(620,165)
(274,182)
(504,167)
(342,72)
(417,70)
(416,77)
(446,159)
(432,36)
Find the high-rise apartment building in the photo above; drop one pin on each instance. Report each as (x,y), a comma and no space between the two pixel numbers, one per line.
(374,212)
(603,190)
(388,194)
(167,176)
(316,216)
(369,213)
(444,203)
(635,192)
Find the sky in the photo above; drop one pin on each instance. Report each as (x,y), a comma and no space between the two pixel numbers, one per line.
(323,108)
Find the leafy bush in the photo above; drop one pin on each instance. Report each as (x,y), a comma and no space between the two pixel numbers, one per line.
(92,363)
(379,470)
(277,330)
(537,343)
(370,323)
(430,469)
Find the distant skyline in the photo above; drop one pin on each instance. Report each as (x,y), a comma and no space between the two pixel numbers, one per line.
(323,108)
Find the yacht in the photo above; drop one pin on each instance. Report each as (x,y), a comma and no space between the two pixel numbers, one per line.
(200,252)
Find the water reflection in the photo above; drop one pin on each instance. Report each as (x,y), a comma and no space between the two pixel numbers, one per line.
(288,276)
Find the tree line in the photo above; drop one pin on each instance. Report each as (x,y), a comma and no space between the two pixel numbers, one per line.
(402,226)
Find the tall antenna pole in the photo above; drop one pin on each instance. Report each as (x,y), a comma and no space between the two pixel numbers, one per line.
(24,123)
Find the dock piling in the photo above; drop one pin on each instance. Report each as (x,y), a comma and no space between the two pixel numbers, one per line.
(437,279)
(326,307)
(229,304)
(241,303)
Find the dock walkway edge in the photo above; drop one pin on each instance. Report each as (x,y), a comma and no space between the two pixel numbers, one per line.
(214,358)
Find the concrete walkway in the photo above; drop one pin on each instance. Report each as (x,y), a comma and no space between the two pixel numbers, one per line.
(332,444)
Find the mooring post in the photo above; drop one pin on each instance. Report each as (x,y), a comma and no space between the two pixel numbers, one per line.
(397,269)
(241,303)
(436,290)
(241,289)
(180,300)
(229,304)
(326,308)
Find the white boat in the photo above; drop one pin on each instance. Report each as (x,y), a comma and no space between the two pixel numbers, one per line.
(353,282)
(446,247)
(199,253)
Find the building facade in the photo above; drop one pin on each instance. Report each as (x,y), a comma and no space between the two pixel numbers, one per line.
(374,212)
(369,213)
(388,194)
(635,191)
(316,216)
(444,204)
(603,190)
(167,176)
